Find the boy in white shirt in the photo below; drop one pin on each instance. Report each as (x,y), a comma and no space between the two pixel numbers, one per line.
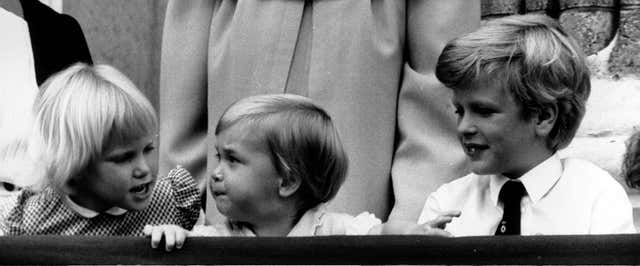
(520,85)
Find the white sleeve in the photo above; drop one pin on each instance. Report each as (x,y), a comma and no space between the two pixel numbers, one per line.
(361,224)
(612,212)
(204,230)
(431,208)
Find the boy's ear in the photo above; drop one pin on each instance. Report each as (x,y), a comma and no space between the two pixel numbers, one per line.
(546,119)
(288,186)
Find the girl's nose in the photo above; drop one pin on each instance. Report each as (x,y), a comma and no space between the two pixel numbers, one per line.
(142,168)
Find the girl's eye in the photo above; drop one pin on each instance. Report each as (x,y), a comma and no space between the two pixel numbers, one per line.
(122,158)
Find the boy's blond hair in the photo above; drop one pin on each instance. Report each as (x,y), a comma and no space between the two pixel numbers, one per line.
(534,59)
(83,111)
(301,139)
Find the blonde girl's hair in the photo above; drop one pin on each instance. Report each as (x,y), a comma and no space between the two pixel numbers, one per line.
(83,111)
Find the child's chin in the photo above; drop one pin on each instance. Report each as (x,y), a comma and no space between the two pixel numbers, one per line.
(481,170)
(139,206)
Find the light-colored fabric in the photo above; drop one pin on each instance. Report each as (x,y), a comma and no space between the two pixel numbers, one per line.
(315,222)
(17,91)
(175,200)
(89,213)
(564,196)
(370,64)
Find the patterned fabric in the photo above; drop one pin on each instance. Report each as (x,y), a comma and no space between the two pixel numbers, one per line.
(175,200)
(315,222)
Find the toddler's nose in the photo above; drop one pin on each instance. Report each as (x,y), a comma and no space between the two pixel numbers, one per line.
(217,175)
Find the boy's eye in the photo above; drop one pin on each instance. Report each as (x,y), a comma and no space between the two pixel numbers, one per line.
(484,111)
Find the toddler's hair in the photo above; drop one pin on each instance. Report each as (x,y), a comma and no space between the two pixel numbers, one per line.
(533,58)
(631,161)
(301,138)
(82,112)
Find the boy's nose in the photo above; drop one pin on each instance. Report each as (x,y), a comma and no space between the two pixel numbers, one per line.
(466,127)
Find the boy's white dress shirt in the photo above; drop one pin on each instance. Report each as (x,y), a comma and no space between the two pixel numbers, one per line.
(564,196)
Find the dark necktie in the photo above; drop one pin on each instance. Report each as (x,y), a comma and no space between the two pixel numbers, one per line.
(510,195)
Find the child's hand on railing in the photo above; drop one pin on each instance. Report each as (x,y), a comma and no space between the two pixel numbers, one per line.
(174,236)
(434,227)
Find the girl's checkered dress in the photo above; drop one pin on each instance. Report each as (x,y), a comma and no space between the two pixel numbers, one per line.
(175,200)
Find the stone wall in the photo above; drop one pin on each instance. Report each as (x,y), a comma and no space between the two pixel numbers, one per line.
(595,23)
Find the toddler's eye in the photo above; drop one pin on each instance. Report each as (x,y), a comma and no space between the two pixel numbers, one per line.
(217,156)
(148,149)
(233,159)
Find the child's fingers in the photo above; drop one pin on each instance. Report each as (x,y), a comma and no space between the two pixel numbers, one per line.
(439,222)
(156,236)
(147,230)
(426,229)
(451,213)
(438,232)
(181,236)
(169,238)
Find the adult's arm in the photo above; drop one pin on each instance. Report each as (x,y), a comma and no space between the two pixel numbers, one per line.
(183,87)
(427,153)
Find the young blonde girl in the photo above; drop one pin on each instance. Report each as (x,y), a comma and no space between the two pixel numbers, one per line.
(96,133)
(279,161)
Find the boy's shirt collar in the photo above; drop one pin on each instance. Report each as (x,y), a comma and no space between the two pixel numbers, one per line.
(538,181)
(88,213)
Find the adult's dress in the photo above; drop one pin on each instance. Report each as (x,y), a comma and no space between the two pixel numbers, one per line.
(369,63)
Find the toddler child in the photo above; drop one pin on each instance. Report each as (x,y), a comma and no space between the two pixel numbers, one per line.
(96,132)
(520,85)
(279,161)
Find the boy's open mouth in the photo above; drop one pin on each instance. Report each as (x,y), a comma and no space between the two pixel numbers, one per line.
(473,149)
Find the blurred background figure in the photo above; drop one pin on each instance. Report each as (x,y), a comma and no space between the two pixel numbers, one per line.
(17,92)
(57,40)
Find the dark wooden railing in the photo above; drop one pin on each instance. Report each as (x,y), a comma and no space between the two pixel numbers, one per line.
(594,249)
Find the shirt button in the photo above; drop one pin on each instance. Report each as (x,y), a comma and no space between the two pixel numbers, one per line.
(503,228)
